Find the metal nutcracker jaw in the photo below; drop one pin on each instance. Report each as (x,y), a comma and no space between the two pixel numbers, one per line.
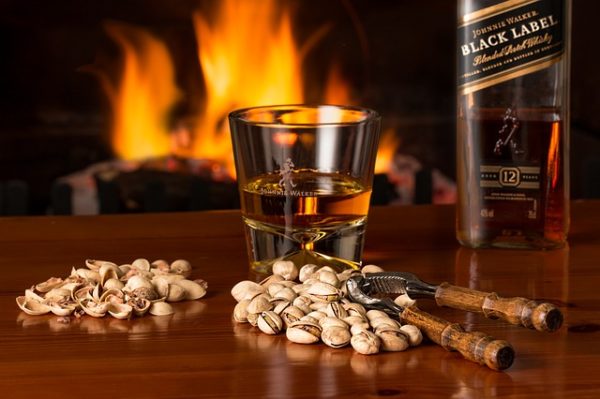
(399,283)
(358,287)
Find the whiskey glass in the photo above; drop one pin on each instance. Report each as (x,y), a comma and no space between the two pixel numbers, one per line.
(305,175)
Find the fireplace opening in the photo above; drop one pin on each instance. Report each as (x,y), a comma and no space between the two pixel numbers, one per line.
(121,106)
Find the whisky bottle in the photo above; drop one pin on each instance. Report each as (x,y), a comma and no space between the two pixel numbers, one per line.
(513,123)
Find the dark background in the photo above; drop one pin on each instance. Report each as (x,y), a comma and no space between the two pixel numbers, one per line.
(398,56)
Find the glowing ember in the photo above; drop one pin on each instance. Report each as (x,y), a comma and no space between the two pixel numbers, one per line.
(388,143)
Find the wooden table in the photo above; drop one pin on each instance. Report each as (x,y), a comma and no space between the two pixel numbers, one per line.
(199,352)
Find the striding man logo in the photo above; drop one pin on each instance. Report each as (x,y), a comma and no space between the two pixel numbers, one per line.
(286,182)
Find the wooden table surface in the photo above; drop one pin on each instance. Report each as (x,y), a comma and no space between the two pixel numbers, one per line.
(200,352)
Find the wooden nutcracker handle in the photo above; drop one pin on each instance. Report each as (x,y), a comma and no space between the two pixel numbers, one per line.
(475,346)
(519,311)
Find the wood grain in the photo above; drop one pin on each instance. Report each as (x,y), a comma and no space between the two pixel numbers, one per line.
(199,352)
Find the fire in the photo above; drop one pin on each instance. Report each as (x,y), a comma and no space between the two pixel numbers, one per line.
(144,97)
(247,56)
(388,143)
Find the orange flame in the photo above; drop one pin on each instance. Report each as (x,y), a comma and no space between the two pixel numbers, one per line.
(388,144)
(247,56)
(143,99)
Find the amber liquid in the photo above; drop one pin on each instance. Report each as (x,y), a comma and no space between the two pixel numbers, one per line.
(507,212)
(315,218)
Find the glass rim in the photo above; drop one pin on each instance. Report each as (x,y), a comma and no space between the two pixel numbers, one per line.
(240,115)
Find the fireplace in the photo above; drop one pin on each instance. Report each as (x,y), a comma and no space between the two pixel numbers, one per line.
(122,100)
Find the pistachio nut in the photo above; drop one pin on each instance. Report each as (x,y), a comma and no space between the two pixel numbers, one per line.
(365,342)
(285,269)
(335,337)
(270,323)
(303,332)
(415,337)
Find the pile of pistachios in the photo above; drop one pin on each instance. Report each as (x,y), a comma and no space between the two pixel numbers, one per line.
(316,309)
(103,288)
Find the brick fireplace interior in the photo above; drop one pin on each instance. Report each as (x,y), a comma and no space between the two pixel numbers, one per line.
(396,56)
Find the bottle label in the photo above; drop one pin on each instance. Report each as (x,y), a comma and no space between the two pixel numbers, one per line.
(508,40)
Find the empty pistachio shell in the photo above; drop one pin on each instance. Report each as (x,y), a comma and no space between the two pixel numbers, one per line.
(108,271)
(113,283)
(112,293)
(182,267)
(140,305)
(49,284)
(88,274)
(63,309)
(94,264)
(404,300)
(371,269)
(192,289)
(57,293)
(246,290)
(31,306)
(392,340)
(161,309)
(335,337)
(93,308)
(303,332)
(160,266)
(365,342)
(120,310)
(285,269)
(413,333)
(269,322)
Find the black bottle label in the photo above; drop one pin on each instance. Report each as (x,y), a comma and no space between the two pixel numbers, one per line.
(510,39)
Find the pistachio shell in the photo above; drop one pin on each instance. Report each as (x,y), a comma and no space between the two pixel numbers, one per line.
(112,283)
(328,278)
(93,308)
(160,266)
(365,343)
(175,293)
(291,314)
(307,271)
(95,265)
(57,293)
(49,284)
(270,323)
(120,310)
(192,289)
(137,282)
(371,269)
(31,306)
(323,292)
(336,337)
(63,309)
(259,304)
(240,311)
(392,340)
(273,278)
(303,332)
(246,290)
(332,322)
(335,309)
(108,271)
(413,333)
(168,278)
(140,305)
(88,274)
(303,302)
(404,300)
(285,269)
(182,267)
(374,314)
(161,309)
(141,264)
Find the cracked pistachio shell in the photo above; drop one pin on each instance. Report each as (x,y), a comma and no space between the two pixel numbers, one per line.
(285,269)
(120,310)
(365,343)
(111,293)
(303,332)
(63,309)
(140,305)
(307,271)
(31,306)
(48,285)
(57,293)
(88,274)
(182,267)
(240,311)
(335,337)
(291,314)
(108,271)
(95,264)
(279,305)
(286,293)
(160,266)
(355,309)
(161,309)
(246,290)
(94,308)
(335,309)
(392,340)
(323,292)
(259,304)
(269,322)
(415,337)
(113,283)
